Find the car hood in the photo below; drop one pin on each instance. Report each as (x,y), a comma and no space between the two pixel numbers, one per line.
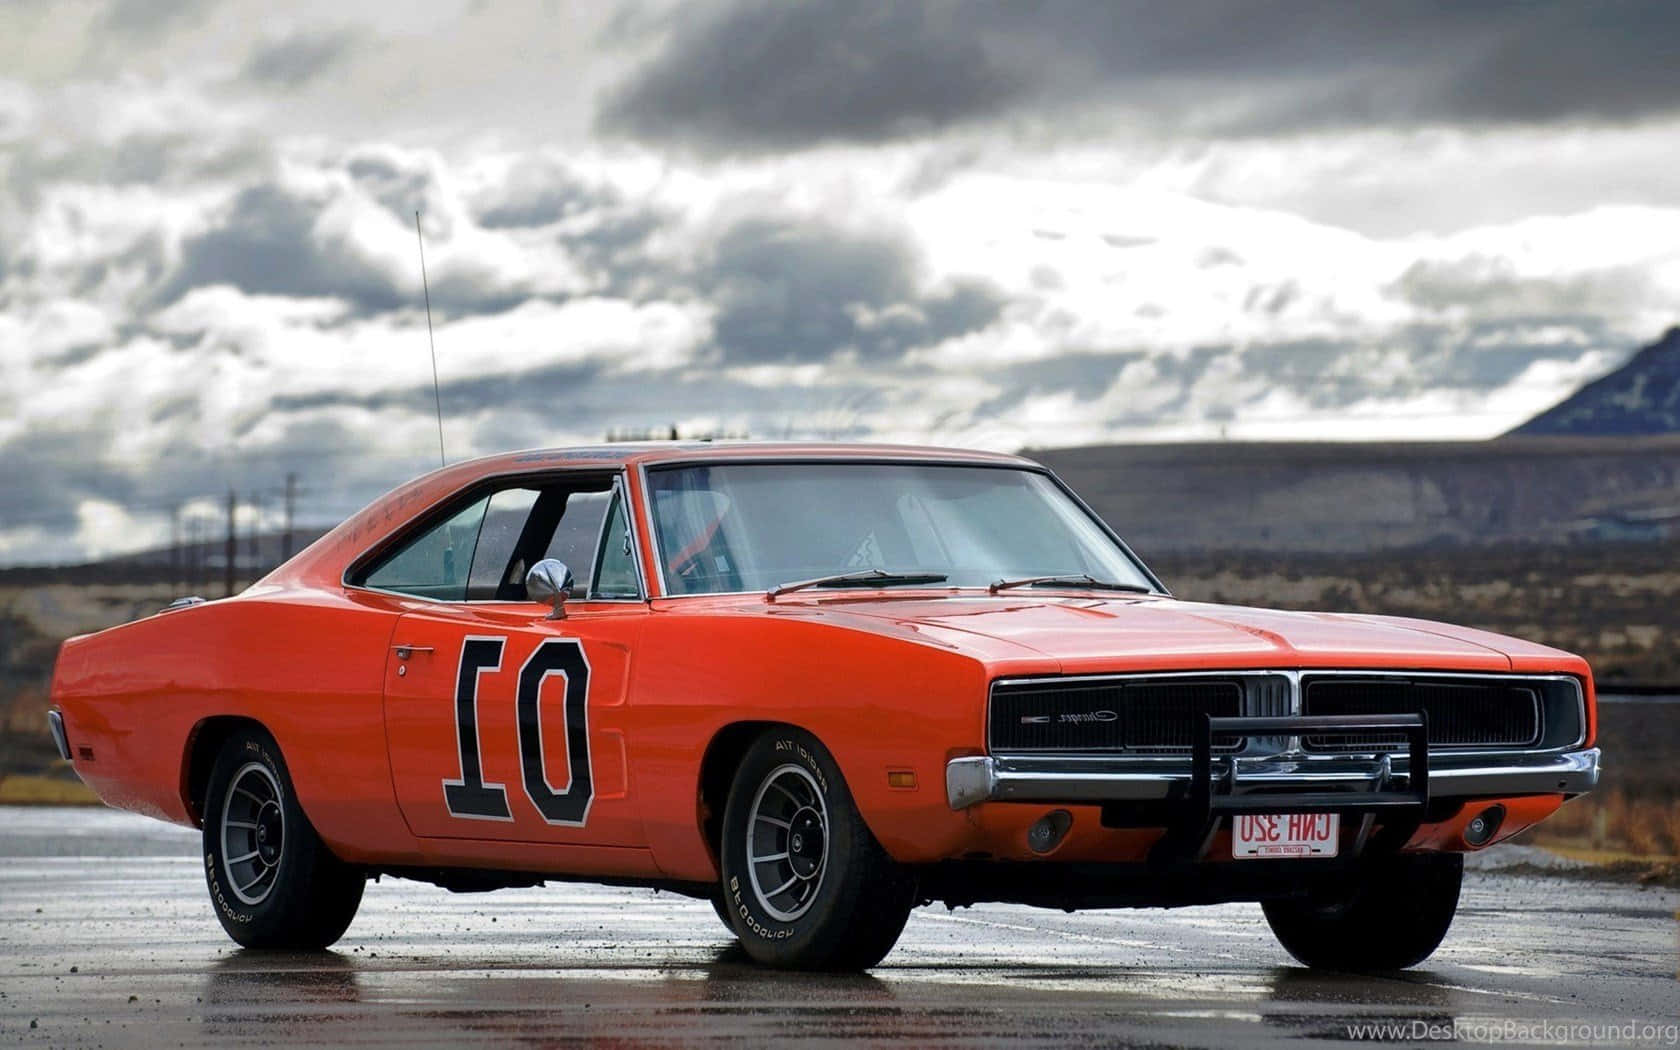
(1047,634)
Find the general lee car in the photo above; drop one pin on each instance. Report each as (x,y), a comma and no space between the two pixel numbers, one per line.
(817,686)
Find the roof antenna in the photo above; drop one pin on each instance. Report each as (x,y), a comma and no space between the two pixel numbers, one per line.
(437,394)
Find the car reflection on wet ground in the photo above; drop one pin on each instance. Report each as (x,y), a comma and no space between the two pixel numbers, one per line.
(107,939)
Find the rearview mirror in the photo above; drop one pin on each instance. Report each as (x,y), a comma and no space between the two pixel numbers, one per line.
(550,581)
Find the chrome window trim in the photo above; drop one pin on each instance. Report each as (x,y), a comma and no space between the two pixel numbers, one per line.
(620,496)
(618,485)
(1293,747)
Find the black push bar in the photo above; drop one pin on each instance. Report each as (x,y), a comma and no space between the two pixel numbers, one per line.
(1205,802)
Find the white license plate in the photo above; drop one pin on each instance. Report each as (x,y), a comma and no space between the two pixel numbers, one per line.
(1285,834)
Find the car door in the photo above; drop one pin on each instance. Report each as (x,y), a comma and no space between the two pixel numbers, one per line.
(503,723)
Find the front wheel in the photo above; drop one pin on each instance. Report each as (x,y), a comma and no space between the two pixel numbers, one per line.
(273,882)
(805,883)
(1391,917)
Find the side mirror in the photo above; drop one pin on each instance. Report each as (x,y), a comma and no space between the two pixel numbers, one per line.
(550,581)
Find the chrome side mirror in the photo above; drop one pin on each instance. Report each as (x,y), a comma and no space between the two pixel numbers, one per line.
(550,581)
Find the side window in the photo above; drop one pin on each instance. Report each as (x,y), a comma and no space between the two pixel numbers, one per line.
(577,532)
(498,541)
(615,574)
(437,563)
(482,552)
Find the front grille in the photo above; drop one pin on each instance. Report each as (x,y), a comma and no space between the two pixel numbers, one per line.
(1460,712)
(1136,715)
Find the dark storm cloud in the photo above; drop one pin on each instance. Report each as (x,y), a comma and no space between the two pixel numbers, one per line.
(1086,376)
(1492,285)
(267,243)
(535,391)
(759,75)
(783,74)
(150,19)
(602,230)
(1332,374)
(48,471)
(795,291)
(294,60)
(1328,374)
(402,189)
(538,191)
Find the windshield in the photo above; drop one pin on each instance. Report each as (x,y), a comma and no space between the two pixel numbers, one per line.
(751,527)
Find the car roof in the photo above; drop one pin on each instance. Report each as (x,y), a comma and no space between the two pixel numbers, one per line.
(323,561)
(623,454)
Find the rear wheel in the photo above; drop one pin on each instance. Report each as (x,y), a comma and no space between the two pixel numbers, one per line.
(273,882)
(805,884)
(1391,917)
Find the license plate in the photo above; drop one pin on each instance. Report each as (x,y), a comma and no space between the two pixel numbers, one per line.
(1285,834)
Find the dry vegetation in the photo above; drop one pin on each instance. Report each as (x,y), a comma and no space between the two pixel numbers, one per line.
(1612,603)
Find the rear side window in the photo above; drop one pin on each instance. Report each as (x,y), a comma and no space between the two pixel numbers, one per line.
(577,533)
(483,551)
(498,541)
(438,563)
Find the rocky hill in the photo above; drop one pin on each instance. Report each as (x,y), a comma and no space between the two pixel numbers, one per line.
(1641,397)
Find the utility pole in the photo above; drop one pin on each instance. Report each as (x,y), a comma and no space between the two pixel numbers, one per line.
(175,548)
(232,544)
(291,505)
(255,551)
(190,555)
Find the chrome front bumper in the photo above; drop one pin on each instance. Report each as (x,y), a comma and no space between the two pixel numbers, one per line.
(1048,779)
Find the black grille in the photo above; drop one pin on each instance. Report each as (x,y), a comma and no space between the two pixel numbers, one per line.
(1146,715)
(1460,712)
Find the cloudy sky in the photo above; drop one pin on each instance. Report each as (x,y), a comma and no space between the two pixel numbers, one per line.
(989,224)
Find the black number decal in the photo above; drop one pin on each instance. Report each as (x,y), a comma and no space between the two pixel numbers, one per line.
(471,797)
(568,804)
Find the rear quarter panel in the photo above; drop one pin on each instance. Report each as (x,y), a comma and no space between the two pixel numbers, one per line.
(308,667)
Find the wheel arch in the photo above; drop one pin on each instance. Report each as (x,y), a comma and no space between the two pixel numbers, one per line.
(717,769)
(204,742)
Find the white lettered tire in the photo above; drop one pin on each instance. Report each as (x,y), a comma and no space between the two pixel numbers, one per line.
(804,882)
(273,882)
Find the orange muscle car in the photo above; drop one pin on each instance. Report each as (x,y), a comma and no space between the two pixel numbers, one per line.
(817,685)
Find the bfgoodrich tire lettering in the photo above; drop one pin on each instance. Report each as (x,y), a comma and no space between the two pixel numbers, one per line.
(1392,916)
(804,881)
(273,882)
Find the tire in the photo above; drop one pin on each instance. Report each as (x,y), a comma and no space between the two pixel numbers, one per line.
(297,896)
(844,901)
(721,906)
(1392,917)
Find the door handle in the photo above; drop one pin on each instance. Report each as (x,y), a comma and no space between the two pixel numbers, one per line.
(405,651)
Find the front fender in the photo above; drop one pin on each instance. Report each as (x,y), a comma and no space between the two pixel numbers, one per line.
(879,704)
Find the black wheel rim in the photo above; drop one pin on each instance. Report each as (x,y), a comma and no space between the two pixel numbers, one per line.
(253,832)
(787,842)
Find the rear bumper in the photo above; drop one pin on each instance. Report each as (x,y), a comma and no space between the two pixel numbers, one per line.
(970,781)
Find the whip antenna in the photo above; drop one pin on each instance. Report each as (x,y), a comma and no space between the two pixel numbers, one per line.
(437,394)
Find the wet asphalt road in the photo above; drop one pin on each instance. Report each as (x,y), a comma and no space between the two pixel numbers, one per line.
(107,939)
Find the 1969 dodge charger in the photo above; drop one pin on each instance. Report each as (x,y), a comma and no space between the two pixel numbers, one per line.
(819,686)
